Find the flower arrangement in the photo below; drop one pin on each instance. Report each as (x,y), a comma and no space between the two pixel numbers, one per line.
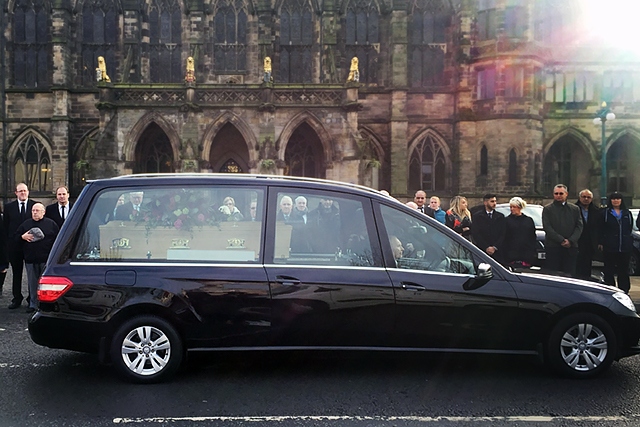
(181,210)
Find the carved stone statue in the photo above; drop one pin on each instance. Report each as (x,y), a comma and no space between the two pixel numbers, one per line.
(190,76)
(188,152)
(354,74)
(267,70)
(101,71)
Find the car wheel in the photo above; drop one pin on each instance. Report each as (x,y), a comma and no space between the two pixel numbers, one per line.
(634,264)
(146,349)
(581,345)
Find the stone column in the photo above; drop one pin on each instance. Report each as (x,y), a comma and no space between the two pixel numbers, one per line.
(399,122)
(62,71)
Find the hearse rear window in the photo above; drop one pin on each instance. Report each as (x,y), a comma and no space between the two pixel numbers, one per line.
(217,224)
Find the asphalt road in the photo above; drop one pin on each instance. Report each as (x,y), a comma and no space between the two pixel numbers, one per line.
(45,387)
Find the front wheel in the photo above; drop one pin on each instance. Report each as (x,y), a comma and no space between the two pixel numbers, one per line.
(146,349)
(581,345)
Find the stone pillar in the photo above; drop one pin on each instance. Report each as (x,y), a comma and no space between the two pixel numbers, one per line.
(329,60)
(62,71)
(399,123)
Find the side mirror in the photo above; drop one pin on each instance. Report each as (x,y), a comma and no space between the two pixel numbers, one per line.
(483,275)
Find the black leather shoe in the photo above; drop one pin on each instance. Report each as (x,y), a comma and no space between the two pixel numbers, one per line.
(15,305)
(30,310)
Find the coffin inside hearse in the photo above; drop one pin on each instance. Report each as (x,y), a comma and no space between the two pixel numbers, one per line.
(229,241)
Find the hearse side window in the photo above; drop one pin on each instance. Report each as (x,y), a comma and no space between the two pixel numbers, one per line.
(424,247)
(173,224)
(322,229)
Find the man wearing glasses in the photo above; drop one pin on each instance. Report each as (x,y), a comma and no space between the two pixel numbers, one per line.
(562,224)
(588,241)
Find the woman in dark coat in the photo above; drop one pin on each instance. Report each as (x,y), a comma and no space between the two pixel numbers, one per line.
(520,236)
(616,242)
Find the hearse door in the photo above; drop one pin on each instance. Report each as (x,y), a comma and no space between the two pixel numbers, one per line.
(328,284)
(431,273)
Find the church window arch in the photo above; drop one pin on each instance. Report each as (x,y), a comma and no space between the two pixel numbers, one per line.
(32,165)
(99,38)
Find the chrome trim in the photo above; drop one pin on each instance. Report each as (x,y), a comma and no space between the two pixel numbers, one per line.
(439,273)
(160,264)
(333,267)
(353,348)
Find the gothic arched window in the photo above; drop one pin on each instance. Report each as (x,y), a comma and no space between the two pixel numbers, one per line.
(32,165)
(165,42)
(363,37)
(99,38)
(484,161)
(513,168)
(427,48)
(230,36)
(31,50)
(296,42)
(231,166)
(427,168)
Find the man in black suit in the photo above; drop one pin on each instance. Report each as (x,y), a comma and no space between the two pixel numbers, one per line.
(131,209)
(59,211)
(15,213)
(588,241)
(489,228)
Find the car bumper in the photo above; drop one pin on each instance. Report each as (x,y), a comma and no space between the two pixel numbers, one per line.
(74,334)
(629,337)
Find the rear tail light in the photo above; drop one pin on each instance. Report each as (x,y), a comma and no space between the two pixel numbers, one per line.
(51,288)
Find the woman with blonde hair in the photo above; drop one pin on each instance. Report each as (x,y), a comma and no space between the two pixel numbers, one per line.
(229,208)
(520,236)
(459,217)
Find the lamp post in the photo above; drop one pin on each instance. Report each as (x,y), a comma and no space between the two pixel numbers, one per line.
(603,115)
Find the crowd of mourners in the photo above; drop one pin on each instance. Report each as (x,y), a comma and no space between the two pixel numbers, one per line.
(575,233)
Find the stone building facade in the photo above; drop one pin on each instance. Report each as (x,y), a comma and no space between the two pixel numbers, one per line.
(453,96)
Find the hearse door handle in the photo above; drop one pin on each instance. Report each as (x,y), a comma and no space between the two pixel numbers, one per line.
(287,280)
(408,286)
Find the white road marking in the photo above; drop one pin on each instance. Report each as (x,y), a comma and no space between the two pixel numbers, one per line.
(259,419)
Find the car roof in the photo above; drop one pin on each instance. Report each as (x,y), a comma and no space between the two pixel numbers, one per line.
(230,179)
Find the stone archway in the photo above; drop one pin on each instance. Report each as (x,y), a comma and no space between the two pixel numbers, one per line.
(229,153)
(564,163)
(153,152)
(304,153)
(622,156)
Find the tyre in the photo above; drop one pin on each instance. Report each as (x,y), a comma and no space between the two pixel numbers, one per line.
(581,345)
(634,264)
(146,349)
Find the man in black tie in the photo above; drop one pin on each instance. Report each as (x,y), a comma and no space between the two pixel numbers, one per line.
(588,241)
(489,228)
(59,211)
(420,199)
(15,213)
(286,208)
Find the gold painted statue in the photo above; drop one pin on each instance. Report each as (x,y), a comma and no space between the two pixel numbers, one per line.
(354,74)
(267,70)
(190,77)
(101,71)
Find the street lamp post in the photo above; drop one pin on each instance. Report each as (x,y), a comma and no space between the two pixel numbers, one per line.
(602,116)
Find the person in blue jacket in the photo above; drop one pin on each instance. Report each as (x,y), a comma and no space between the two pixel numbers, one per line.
(616,242)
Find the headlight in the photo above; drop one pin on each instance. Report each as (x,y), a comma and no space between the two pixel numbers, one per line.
(625,300)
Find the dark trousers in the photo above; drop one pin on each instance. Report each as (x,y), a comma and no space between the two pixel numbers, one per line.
(617,263)
(583,264)
(562,259)
(16,258)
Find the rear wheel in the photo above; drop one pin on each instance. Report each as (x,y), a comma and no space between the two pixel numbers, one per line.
(581,345)
(146,349)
